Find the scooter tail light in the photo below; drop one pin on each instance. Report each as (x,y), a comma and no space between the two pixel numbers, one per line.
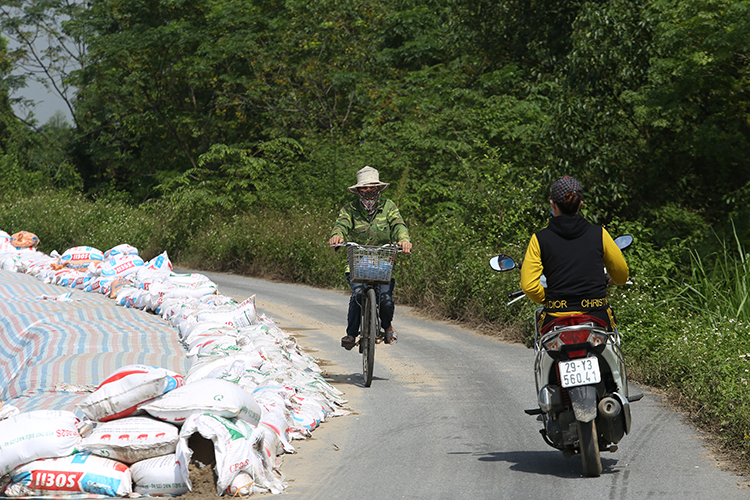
(575,337)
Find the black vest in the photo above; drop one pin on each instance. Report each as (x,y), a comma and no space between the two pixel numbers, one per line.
(573,259)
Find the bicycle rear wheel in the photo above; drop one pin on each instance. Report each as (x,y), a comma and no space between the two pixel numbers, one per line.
(369,334)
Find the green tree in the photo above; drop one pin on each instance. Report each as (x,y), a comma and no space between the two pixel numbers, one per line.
(696,104)
(44,50)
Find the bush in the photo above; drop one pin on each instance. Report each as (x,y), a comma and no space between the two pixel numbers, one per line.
(63,220)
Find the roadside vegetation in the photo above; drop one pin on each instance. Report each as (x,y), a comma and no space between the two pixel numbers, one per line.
(227,132)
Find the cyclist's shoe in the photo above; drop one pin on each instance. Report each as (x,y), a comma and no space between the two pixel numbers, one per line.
(391,337)
(348,342)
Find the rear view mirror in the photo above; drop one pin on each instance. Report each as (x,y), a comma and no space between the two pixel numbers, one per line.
(502,263)
(624,241)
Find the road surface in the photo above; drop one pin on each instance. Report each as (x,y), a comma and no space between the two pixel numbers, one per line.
(444,419)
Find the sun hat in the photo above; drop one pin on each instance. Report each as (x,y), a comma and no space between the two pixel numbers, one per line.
(368,176)
(563,186)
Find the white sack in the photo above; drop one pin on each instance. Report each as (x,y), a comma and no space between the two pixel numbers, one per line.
(37,434)
(238,447)
(71,476)
(217,397)
(121,393)
(131,439)
(240,316)
(158,476)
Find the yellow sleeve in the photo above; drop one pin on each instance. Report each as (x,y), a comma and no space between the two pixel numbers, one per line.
(531,272)
(617,268)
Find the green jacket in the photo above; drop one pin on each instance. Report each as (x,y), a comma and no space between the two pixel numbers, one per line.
(386,226)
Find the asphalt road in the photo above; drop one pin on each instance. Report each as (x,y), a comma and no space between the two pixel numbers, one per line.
(444,419)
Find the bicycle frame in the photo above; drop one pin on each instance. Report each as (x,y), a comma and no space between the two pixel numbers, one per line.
(371,267)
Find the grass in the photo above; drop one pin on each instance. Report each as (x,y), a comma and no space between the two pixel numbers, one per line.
(690,337)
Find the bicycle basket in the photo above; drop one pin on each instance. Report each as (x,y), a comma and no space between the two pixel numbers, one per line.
(371,264)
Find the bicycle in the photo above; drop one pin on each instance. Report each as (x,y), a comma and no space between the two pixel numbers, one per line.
(371,266)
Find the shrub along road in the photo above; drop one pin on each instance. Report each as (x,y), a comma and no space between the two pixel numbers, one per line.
(444,419)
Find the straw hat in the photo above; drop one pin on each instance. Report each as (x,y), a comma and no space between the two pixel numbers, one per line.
(368,176)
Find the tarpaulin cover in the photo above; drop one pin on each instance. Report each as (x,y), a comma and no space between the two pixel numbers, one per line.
(50,347)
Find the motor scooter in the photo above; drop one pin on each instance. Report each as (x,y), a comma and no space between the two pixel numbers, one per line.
(582,389)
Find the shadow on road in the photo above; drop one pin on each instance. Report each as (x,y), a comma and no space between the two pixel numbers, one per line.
(349,379)
(550,463)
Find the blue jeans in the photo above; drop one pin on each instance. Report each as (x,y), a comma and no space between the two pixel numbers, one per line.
(385,299)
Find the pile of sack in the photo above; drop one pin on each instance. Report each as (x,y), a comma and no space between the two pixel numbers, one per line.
(249,390)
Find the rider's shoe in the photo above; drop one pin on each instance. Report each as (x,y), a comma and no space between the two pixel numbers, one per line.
(391,337)
(347,342)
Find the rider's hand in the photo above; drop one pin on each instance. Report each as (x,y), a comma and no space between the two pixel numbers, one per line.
(335,240)
(405,246)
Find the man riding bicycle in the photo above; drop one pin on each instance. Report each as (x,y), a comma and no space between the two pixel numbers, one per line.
(370,220)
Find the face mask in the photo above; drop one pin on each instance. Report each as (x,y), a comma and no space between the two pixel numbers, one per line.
(369,200)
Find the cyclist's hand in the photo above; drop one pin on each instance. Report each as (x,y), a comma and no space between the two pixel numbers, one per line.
(335,240)
(405,246)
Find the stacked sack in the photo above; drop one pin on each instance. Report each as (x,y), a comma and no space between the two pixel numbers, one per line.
(249,389)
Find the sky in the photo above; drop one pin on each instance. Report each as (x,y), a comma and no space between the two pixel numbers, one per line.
(47,103)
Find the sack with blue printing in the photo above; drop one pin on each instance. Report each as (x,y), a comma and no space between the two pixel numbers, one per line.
(74,279)
(70,476)
(81,257)
(119,266)
(122,249)
(158,267)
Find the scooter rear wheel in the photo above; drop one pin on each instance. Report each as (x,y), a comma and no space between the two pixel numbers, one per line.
(589,446)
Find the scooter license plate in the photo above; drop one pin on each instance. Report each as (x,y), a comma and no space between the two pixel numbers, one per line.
(583,371)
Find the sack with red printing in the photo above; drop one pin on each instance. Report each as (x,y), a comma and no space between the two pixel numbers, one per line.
(99,284)
(121,266)
(70,476)
(80,257)
(32,435)
(121,393)
(158,476)
(131,439)
(214,396)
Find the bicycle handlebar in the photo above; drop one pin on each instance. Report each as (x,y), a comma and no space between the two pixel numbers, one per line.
(353,244)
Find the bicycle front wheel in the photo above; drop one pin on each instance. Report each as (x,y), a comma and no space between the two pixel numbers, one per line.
(369,334)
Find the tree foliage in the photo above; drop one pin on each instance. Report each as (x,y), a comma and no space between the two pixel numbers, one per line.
(645,101)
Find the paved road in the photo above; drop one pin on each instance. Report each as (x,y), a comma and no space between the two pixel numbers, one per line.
(444,419)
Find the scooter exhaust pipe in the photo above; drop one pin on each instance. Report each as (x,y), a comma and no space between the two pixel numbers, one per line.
(610,420)
(609,408)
